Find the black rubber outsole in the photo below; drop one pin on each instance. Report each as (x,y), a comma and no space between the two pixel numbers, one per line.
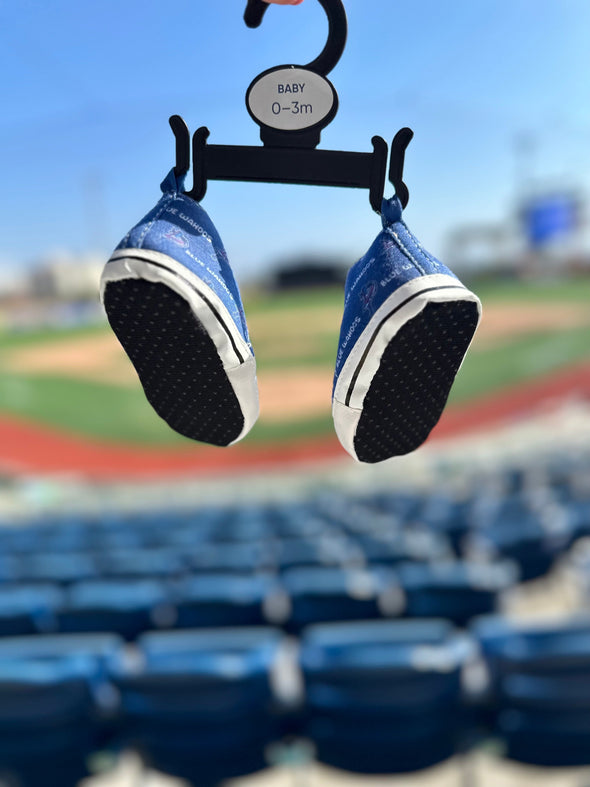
(411,386)
(177,362)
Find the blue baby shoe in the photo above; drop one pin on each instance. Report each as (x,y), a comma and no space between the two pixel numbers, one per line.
(407,324)
(172,300)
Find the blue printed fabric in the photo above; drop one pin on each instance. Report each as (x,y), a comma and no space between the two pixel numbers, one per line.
(395,258)
(179,227)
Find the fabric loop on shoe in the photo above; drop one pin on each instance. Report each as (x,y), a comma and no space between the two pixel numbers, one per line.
(391,211)
(173,183)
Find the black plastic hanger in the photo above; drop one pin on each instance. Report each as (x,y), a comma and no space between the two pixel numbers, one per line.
(292,104)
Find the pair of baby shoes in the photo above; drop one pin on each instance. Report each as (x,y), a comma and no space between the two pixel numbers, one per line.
(172,300)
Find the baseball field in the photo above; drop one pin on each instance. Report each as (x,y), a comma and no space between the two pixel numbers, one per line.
(77,386)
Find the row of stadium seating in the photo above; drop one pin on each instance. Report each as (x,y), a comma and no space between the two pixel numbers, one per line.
(530,518)
(456,590)
(332,557)
(377,697)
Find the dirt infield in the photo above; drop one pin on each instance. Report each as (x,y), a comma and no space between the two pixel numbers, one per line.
(294,394)
(285,395)
(504,322)
(96,358)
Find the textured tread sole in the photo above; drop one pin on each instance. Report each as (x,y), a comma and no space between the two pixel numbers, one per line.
(410,389)
(177,362)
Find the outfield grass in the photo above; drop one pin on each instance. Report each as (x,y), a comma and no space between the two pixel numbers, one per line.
(575,290)
(10,340)
(103,411)
(259,302)
(522,358)
(499,367)
(119,413)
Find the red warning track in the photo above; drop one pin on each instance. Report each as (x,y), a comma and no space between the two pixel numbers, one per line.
(30,448)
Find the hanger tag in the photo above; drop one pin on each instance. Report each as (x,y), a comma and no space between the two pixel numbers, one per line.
(291,98)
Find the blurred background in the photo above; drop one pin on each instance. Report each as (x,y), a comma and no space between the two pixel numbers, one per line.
(275,613)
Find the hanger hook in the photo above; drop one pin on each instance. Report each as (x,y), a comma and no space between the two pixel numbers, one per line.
(337,32)
(396,165)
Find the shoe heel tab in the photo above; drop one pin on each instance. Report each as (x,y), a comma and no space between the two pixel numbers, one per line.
(391,211)
(173,183)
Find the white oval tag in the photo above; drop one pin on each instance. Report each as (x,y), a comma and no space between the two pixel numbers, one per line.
(290,98)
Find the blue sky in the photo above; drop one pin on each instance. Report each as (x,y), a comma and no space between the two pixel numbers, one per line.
(87,90)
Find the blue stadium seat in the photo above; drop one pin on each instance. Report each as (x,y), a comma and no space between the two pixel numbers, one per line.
(239,557)
(155,527)
(332,594)
(579,511)
(297,520)
(201,705)
(100,650)
(504,641)
(402,506)
(21,540)
(62,568)
(458,591)
(116,534)
(123,606)
(64,533)
(45,733)
(383,697)
(513,531)
(390,549)
(243,524)
(29,609)
(577,563)
(50,722)
(445,515)
(216,600)
(142,563)
(325,550)
(9,566)
(540,688)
